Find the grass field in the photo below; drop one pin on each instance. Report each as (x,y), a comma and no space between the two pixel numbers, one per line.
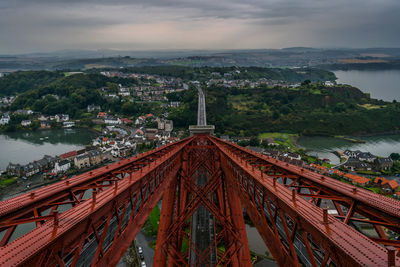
(7,181)
(370,106)
(150,227)
(288,140)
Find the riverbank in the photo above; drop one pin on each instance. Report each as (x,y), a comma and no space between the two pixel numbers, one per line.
(27,146)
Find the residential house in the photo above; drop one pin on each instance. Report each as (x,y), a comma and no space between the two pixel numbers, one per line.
(69,155)
(112,120)
(91,108)
(175,104)
(362,156)
(389,186)
(26,123)
(68,124)
(151,133)
(14,169)
(23,112)
(102,115)
(45,125)
(126,121)
(62,166)
(292,156)
(61,117)
(43,118)
(5,119)
(356,180)
(123,91)
(95,157)
(383,163)
(30,169)
(354,164)
(82,161)
(169,125)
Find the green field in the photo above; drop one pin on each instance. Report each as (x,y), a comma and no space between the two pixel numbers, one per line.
(8,181)
(285,139)
(150,227)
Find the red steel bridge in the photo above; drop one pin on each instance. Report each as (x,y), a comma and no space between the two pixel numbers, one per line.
(204,183)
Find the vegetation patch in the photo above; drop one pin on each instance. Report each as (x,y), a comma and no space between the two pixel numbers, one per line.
(150,227)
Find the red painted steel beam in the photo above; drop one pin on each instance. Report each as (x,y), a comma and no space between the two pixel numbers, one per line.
(25,207)
(56,240)
(26,202)
(345,245)
(373,206)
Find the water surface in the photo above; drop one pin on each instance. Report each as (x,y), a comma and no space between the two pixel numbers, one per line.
(382,145)
(382,84)
(24,147)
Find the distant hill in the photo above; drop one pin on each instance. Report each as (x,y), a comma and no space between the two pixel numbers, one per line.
(287,57)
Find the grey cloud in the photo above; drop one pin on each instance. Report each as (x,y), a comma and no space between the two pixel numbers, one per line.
(34,24)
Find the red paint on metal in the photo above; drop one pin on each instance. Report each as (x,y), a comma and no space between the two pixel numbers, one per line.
(108,206)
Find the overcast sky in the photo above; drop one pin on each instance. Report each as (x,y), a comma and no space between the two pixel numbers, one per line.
(50,25)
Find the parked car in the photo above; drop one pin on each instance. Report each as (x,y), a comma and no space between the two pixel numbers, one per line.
(140,252)
(143,264)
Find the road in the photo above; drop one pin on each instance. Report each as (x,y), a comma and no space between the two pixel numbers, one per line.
(201,109)
(148,252)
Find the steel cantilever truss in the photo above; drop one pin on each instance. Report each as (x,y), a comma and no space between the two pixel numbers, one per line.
(91,219)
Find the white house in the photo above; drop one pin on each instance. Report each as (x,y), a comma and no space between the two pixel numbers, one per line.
(61,117)
(5,119)
(25,123)
(62,166)
(68,124)
(112,120)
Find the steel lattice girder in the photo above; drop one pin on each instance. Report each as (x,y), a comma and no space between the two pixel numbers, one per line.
(103,226)
(289,223)
(97,230)
(185,197)
(29,207)
(376,210)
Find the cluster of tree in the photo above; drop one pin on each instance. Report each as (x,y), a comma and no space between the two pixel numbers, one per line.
(389,65)
(312,109)
(55,93)
(22,81)
(251,73)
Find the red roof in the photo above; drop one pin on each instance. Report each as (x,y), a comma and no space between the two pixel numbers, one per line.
(101,114)
(68,154)
(357,179)
(126,120)
(393,184)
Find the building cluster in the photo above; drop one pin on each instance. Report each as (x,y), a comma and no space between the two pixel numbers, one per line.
(6,101)
(43,165)
(117,147)
(50,166)
(388,186)
(44,121)
(149,88)
(247,83)
(365,161)
(121,136)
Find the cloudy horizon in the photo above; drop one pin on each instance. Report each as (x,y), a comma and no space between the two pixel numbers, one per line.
(52,25)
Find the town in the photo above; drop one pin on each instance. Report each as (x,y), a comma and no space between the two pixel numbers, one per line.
(121,135)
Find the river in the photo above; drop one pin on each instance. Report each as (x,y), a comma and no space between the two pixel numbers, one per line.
(24,147)
(382,84)
(380,145)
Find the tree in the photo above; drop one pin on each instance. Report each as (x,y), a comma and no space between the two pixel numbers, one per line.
(395,156)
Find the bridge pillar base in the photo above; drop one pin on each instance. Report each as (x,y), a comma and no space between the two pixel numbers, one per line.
(201,129)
